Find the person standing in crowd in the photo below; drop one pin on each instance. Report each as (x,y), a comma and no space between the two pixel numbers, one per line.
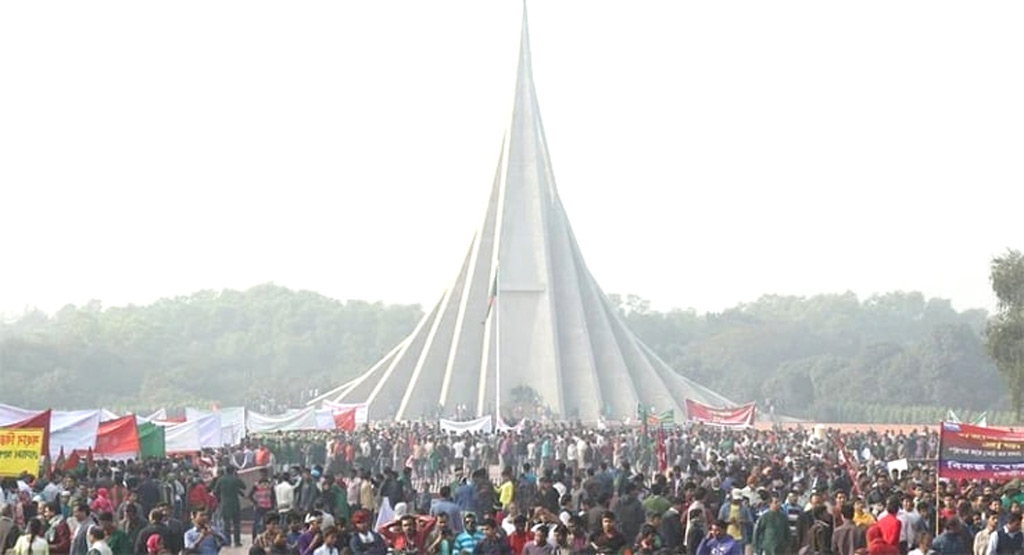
(116,538)
(771,533)
(981,538)
(148,492)
(1008,539)
(229,491)
(32,542)
(439,541)
(467,541)
(58,533)
(203,539)
(719,542)
(86,522)
(97,542)
(365,540)
(8,531)
(262,498)
(491,543)
(847,538)
(156,527)
(446,505)
(889,525)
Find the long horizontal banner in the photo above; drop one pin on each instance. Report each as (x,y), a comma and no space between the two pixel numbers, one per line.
(480,425)
(978,453)
(734,417)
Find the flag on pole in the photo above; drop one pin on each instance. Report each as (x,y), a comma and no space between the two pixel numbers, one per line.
(385,514)
(492,295)
(849,463)
(661,419)
(662,454)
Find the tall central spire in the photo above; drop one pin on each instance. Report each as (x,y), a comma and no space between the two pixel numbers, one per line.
(524,317)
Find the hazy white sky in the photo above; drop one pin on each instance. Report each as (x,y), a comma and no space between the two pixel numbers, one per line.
(707,152)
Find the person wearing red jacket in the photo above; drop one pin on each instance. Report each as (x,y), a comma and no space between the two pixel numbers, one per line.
(877,545)
(518,539)
(199,497)
(889,525)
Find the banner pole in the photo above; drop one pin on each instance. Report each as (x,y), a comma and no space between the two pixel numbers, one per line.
(938,465)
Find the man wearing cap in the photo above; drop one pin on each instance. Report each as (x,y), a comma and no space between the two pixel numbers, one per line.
(737,517)
(313,522)
(366,541)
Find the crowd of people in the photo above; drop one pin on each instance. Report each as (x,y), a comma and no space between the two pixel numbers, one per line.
(544,489)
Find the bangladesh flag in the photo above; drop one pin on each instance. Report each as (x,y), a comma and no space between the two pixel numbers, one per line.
(664,419)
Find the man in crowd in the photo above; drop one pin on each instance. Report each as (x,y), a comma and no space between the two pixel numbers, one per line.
(229,491)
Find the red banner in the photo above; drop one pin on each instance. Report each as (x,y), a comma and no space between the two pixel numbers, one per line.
(736,417)
(117,438)
(41,421)
(979,453)
(345,420)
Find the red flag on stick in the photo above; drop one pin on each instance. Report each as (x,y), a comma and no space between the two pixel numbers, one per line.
(849,463)
(345,420)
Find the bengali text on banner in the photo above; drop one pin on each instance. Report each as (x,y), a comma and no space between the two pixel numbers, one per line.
(734,417)
(19,451)
(977,453)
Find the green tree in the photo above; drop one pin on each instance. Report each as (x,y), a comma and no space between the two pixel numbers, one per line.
(1005,333)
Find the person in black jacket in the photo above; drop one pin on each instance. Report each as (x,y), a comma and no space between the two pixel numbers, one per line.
(156,527)
(672,526)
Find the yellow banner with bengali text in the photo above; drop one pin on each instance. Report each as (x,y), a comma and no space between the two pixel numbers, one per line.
(20,450)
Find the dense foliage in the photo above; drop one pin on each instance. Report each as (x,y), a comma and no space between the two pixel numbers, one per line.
(1005,333)
(832,357)
(897,357)
(265,346)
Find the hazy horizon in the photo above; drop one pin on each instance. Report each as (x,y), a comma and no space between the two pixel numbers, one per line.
(706,154)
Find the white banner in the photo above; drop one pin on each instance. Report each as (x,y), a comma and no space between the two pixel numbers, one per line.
(297,420)
(210,431)
(75,429)
(182,438)
(482,424)
(12,415)
(232,422)
(325,419)
(362,410)
(502,427)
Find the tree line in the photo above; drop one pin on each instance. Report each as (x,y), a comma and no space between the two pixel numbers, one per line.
(897,357)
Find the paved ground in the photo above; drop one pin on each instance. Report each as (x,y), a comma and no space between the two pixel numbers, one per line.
(238,550)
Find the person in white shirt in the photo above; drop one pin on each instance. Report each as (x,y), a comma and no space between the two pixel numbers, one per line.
(34,541)
(98,542)
(284,492)
(1010,533)
(911,524)
(330,539)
